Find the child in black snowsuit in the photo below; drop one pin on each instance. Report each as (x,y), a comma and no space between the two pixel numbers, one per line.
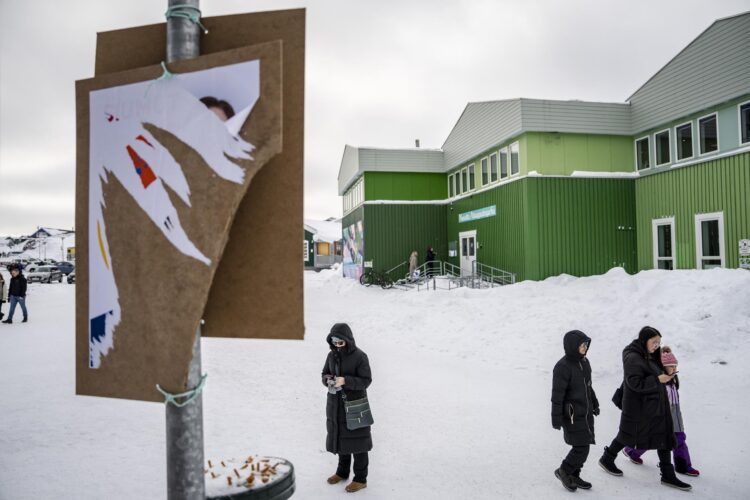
(574,405)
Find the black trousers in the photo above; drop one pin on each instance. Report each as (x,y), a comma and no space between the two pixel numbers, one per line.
(576,458)
(361,461)
(665,456)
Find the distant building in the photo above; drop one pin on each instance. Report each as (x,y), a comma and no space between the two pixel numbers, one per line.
(322,244)
(539,187)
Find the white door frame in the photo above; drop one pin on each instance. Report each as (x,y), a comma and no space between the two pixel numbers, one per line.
(699,238)
(655,223)
(469,258)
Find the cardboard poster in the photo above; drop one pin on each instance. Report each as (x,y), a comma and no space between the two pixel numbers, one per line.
(258,289)
(163,164)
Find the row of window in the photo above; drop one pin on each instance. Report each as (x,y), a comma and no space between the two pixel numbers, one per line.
(709,242)
(497,166)
(355,196)
(707,140)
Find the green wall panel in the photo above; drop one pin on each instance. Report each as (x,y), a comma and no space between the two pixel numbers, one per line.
(721,185)
(501,239)
(392,232)
(405,186)
(562,154)
(582,226)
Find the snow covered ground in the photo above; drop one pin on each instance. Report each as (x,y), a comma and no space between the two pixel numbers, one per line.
(460,393)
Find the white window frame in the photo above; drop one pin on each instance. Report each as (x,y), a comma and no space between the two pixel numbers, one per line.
(503,151)
(484,162)
(669,148)
(497,169)
(718,144)
(655,223)
(677,158)
(464,176)
(699,257)
(517,145)
(306,249)
(635,151)
(469,169)
(459,182)
(739,124)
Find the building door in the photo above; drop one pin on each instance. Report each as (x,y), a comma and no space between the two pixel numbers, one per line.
(467,251)
(709,240)
(663,240)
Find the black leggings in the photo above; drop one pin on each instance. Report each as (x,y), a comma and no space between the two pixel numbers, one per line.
(665,456)
(361,462)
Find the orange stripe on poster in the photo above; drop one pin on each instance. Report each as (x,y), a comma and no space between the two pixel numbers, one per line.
(101,244)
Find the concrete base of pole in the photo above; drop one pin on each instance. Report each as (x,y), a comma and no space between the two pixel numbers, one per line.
(185,479)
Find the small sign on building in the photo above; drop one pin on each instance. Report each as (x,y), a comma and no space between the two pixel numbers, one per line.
(744,254)
(480,213)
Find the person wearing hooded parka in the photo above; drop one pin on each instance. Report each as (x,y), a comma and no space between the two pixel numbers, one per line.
(574,405)
(346,372)
(646,419)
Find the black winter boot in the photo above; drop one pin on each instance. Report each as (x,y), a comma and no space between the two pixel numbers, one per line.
(576,477)
(566,479)
(668,478)
(25,319)
(607,462)
(8,321)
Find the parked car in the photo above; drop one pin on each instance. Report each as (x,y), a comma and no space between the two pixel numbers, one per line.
(45,274)
(65,267)
(72,277)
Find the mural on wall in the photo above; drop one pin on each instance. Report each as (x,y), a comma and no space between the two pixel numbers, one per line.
(354,250)
(197,108)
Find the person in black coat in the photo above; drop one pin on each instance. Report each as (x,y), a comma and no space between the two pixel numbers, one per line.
(430,257)
(646,419)
(17,294)
(574,405)
(346,372)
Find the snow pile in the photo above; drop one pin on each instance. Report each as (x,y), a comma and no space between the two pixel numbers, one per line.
(326,230)
(460,393)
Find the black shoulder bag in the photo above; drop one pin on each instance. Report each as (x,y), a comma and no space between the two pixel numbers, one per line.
(358,412)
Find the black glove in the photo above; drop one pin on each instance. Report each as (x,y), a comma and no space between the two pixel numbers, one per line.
(557,426)
(556,423)
(596,411)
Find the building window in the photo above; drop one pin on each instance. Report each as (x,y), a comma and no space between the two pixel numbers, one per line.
(485,173)
(306,250)
(708,133)
(464,180)
(493,167)
(684,139)
(504,163)
(664,244)
(744,123)
(641,154)
(514,160)
(472,183)
(661,144)
(450,186)
(709,240)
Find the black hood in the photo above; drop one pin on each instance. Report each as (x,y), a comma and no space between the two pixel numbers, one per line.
(342,331)
(572,340)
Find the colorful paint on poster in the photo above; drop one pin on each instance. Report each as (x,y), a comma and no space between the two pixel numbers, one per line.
(354,250)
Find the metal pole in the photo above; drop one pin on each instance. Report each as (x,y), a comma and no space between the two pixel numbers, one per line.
(185,479)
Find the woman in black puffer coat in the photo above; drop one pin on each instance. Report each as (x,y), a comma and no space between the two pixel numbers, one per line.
(646,420)
(346,371)
(574,405)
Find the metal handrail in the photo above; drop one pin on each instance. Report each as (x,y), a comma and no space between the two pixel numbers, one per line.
(492,275)
(404,263)
(431,268)
(451,269)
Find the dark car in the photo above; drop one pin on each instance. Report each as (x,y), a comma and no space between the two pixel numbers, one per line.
(72,277)
(65,267)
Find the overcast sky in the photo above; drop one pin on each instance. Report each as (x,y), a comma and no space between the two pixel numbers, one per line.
(379,73)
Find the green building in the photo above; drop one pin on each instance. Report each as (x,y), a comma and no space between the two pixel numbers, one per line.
(539,188)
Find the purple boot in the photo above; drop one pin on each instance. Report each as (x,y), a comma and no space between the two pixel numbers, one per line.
(634,455)
(681,455)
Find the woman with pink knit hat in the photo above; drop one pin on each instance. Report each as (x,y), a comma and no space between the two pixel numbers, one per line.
(680,453)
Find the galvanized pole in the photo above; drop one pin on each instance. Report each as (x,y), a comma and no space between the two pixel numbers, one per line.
(185,479)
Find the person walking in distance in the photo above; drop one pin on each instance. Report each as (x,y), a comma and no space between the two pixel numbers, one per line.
(17,294)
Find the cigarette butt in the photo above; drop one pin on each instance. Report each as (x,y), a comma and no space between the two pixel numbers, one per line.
(213,476)
(244,466)
(265,460)
(249,460)
(264,479)
(210,465)
(229,480)
(223,464)
(236,473)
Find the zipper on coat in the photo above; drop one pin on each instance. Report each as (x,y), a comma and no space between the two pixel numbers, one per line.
(587,399)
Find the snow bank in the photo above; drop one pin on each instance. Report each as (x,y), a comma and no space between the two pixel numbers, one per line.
(460,393)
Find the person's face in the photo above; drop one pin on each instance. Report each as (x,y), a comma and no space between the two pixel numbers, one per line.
(653,344)
(14,273)
(339,343)
(220,113)
(583,348)
(670,369)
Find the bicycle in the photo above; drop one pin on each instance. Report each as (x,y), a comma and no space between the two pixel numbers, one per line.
(371,277)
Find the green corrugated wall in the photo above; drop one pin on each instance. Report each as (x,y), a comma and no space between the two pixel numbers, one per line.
(501,239)
(721,185)
(393,231)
